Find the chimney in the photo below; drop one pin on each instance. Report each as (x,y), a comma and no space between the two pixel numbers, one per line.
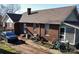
(28,11)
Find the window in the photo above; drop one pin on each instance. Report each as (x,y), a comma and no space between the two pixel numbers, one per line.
(3,24)
(46,28)
(10,24)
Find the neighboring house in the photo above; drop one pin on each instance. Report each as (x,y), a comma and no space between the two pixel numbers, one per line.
(1,28)
(9,20)
(52,24)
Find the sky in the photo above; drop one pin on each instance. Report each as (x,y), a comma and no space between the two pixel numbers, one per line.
(40,6)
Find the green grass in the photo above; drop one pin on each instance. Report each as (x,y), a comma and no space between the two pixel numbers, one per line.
(5,46)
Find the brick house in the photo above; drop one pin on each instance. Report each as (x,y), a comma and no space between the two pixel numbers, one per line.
(9,20)
(52,24)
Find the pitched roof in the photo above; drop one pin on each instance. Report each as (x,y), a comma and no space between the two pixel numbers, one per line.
(51,16)
(14,17)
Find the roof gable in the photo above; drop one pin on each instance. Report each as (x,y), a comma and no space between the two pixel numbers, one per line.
(9,20)
(14,17)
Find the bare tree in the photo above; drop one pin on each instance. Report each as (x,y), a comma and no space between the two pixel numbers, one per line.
(8,8)
(12,8)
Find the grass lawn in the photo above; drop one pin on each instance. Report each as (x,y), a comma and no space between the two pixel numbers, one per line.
(4,48)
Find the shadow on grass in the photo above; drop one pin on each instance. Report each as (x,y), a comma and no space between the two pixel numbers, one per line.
(2,51)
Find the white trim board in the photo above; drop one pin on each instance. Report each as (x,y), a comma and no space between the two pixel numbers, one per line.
(72,25)
(64,39)
(7,20)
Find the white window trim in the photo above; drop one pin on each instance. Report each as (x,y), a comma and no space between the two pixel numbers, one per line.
(64,39)
(75,27)
(71,25)
(65,34)
(74,36)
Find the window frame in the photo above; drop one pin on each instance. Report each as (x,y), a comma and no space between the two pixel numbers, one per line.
(10,24)
(64,35)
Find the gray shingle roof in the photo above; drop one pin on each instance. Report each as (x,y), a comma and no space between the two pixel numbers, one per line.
(51,16)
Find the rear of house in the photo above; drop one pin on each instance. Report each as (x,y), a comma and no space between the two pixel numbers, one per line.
(53,24)
(45,31)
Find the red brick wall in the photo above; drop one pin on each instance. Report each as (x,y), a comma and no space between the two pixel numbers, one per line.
(30,27)
(52,32)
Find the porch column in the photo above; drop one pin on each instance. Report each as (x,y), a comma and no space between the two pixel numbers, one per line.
(40,30)
(25,31)
(74,36)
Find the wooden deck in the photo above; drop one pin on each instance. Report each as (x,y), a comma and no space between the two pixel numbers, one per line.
(33,48)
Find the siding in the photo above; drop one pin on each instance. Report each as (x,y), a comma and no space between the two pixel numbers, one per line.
(70,35)
(77,36)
